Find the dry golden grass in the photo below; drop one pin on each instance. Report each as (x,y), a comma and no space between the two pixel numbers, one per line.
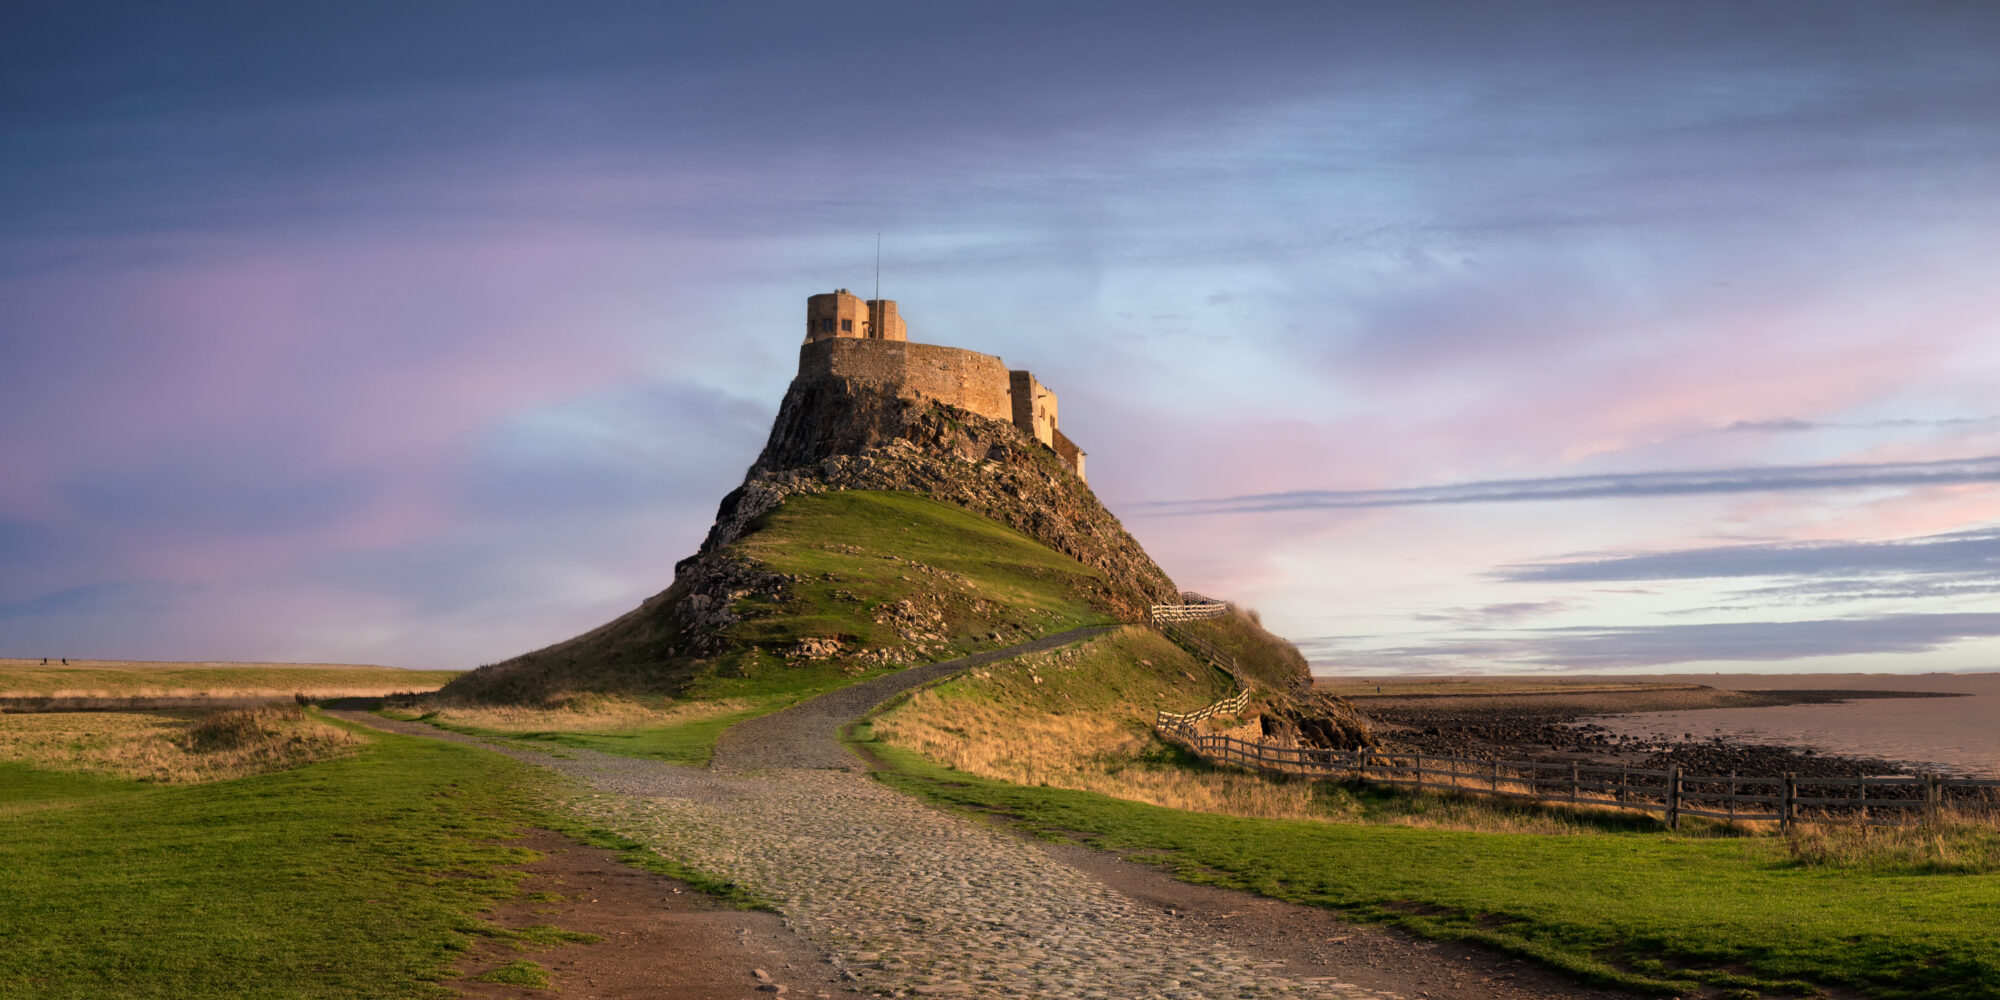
(118,679)
(1956,842)
(174,747)
(1082,719)
(583,713)
(1092,753)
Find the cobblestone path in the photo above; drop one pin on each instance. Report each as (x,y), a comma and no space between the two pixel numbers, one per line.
(907,899)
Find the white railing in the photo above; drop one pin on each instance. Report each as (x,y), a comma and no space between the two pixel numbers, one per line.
(1193,607)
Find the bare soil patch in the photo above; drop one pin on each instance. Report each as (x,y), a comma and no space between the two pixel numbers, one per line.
(657,937)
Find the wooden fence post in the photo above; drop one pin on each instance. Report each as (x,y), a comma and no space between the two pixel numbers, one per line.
(1572,782)
(1788,809)
(1933,796)
(1732,797)
(1494,783)
(1622,779)
(1674,797)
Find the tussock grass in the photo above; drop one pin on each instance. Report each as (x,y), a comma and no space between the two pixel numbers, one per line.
(1954,843)
(519,972)
(1263,657)
(579,713)
(175,748)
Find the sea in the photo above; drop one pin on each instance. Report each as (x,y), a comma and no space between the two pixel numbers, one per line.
(1958,735)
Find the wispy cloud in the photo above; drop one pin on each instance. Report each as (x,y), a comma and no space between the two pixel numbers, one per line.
(1627,647)
(1493,614)
(1955,553)
(1764,479)
(1786,425)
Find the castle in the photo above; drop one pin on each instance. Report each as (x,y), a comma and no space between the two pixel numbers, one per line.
(866,343)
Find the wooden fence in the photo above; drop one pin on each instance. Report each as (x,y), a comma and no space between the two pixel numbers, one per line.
(1671,793)
(1204,649)
(1193,607)
(1227,706)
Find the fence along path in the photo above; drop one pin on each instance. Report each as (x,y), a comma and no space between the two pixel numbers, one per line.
(1193,607)
(1167,618)
(1672,792)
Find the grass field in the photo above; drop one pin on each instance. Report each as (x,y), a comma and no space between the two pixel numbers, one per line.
(1643,909)
(145,679)
(678,731)
(358,876)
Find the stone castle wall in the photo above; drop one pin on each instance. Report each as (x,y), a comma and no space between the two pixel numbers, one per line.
(1071,455)
(966,379)
(864,342)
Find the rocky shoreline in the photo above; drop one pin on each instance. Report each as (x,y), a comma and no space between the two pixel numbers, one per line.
(1549,727)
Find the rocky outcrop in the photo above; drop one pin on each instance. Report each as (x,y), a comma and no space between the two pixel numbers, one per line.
(830,435)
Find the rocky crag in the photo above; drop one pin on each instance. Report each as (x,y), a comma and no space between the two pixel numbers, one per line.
(830,435)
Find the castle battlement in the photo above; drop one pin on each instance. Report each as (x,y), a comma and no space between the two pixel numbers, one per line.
(842,342)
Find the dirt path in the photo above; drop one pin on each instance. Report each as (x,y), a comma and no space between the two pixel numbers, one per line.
(903,899)
(657,936)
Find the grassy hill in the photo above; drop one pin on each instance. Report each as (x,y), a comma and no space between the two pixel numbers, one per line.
(829,587)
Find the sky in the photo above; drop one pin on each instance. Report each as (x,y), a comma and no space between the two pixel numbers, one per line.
(1454,338)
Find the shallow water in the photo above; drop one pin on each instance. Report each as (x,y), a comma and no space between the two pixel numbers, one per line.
(1950,735)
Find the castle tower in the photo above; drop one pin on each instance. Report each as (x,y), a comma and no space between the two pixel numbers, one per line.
(841,313)
(864,342)
(883,322)
(1034,407)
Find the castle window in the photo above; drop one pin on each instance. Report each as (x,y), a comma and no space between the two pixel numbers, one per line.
(826,325)
(847,326)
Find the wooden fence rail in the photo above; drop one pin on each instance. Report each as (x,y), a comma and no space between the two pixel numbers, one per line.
(1193,607)
(1672,792)
(1227,706)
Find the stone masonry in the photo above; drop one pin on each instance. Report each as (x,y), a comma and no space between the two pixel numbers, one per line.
(866,343)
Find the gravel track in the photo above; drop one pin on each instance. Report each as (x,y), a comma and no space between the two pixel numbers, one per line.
(907,900)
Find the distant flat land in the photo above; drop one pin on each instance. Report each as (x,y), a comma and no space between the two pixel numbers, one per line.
(30,678)
(1475,686)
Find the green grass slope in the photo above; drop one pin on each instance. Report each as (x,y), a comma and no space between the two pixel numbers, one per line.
(871,579)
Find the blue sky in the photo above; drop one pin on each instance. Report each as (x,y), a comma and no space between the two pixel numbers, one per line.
(1521,337)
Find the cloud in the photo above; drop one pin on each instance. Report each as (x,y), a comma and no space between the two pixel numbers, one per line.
(1625,647)
(1954,553)
(1980,469)
(1786,425)
(1490,614)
